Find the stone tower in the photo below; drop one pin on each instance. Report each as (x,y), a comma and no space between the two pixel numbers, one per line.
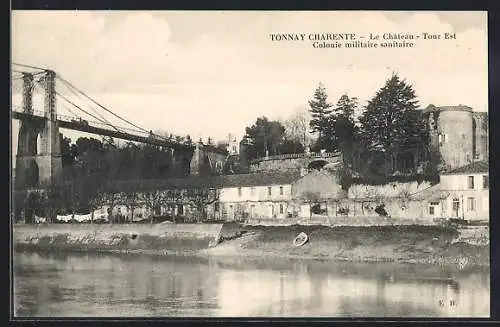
(39,167)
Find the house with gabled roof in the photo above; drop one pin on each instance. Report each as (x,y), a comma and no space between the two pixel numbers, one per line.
(468,189)
(462,193)
(317,194)
(258,195)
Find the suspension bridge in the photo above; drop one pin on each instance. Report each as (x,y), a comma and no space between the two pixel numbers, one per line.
(44,101)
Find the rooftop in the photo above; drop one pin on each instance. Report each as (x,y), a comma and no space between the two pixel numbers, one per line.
(433,193)
(447,108)
(192,182)
(473,168)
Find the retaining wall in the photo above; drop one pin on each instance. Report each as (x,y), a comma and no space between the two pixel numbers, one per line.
(127,237)
(341,221)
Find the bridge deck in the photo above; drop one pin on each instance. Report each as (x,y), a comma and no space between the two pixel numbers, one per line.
(83,126)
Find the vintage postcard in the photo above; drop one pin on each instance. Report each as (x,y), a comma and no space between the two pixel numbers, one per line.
(250,164)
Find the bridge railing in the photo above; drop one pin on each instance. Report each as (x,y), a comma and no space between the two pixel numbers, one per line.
(38,113)
(77,121)
(296,156)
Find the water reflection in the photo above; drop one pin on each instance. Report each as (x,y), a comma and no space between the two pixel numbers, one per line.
(90,285)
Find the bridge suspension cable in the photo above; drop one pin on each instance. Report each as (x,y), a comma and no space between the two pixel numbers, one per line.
(100,118)
(104,108)
(85,111)
(29,66)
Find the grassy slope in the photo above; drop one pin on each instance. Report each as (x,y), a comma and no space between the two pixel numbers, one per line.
(422,244)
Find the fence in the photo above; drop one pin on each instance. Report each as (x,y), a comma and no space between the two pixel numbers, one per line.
(296,156)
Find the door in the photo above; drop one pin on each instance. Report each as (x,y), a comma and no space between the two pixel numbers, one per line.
(305,211)
(455,209)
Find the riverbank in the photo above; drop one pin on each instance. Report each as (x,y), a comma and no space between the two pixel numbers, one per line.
(156,238)
(400,244)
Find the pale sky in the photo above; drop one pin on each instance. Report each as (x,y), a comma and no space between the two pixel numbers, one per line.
(213,73)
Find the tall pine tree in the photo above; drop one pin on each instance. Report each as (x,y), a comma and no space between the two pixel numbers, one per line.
(320,110)
(386,121)
(322,121)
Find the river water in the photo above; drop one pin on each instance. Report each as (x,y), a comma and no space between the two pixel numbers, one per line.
(84,285)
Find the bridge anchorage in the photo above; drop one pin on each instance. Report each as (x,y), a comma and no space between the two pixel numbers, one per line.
(38,159)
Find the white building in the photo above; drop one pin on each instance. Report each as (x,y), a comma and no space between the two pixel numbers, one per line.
(262,195)
(233,146)
(468,189)
(228,197)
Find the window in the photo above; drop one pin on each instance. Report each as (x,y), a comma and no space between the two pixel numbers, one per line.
(456,205)
(486,182)
(269,191)
(281,208)
(471,182)
(216,207)
(471,204)
(252,191)
(281,190)
(442,138)
(431,210)
(239,191)
(434,203)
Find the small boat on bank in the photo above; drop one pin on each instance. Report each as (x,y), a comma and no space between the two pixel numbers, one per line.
(300,239)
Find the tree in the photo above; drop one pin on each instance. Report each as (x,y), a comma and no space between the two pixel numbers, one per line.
(386,119)
(96,201)
(174,198)
(51,202)
(153,199)
(112,198)
(320,110)
(345,128)
(265,137)
(296,127)
(291,146)
(327,139)
(131,197)
(323,121)
(67,157)
(86,145)
(200,197)
(416,139)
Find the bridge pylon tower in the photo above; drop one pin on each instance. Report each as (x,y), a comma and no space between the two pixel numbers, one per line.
(39,167)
